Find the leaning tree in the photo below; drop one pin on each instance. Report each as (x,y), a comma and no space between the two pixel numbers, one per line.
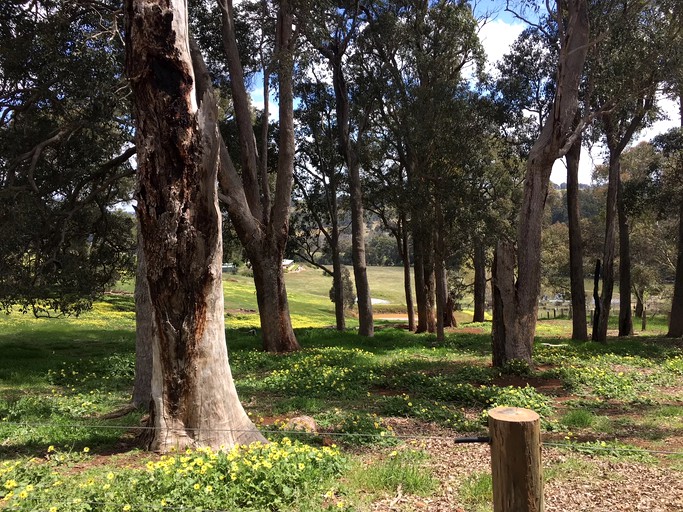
(515,300)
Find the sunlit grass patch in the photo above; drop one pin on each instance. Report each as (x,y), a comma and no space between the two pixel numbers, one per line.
(405,469)
(476,491)
(578,418)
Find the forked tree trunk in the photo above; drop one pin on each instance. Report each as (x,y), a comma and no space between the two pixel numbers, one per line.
(144,335)
(625,315)
(602,313)
(618,133)
(349,152)
(479,282)
(260,219)
(194,402)
(339,303)
(578,290)
(518,302)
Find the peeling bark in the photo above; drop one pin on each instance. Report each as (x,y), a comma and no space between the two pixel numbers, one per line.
(144,335)
(194,402)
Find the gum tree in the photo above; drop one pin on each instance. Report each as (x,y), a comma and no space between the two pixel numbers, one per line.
(516,294)
(194,402)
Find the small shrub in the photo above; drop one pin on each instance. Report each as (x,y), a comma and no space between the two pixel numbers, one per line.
(527,398)
(578,418)
(349,292)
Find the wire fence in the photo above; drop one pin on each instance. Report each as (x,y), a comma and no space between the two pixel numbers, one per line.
(572,445)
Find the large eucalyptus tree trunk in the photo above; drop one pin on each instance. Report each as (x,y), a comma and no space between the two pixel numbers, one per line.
(144,334)
(193,397)
(578,289)
(517,303)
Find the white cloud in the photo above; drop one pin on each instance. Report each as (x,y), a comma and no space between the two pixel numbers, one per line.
(497,36)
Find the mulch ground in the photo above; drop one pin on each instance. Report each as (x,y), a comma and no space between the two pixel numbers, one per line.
(610,485)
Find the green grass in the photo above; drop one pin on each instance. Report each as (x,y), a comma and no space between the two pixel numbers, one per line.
(477,492)
(406,470)
(59,377)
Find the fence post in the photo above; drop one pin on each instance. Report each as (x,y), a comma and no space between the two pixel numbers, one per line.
(516,460)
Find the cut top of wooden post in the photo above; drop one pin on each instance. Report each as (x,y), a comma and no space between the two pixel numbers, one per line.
(513,414)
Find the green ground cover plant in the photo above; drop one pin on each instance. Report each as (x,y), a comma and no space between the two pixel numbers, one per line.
(370,397)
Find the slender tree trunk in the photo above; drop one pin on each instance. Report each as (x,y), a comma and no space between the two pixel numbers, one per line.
(440,283)
(360,272)
(420,289)
(518,302)
(608,253)
(194,402)
(405,252)
(339,304)
(428,259)
(596,295)
(578,291)
(625,316)
(676,315)
(449,314)
(479,281)
(350,154)
(144,335)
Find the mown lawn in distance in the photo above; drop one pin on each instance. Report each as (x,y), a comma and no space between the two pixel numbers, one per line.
(374,399)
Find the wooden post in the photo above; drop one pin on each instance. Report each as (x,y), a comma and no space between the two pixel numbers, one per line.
(554,312)
(516,460)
